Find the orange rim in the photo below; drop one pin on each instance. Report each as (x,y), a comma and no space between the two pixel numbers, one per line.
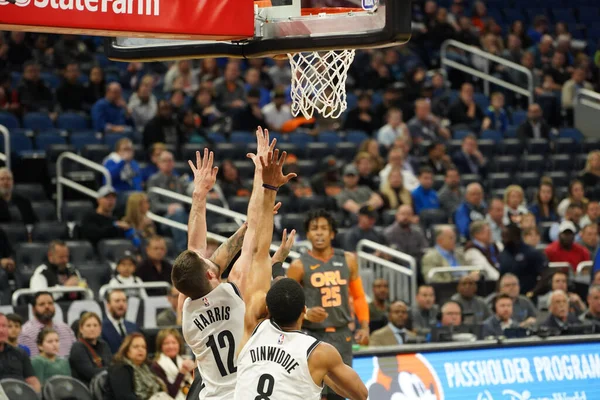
(329,10)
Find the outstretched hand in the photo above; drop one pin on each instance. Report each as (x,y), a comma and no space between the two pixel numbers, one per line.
(286,246)
(272,169)
(263,147)
(205,175)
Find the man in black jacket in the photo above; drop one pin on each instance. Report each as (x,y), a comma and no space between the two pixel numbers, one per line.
(163,127)
(502,318)
(9,198)
(56,272)
(361,118)
(33,93)
(101,224)
(71,95)
(560,319)
(464,113)
(535,127)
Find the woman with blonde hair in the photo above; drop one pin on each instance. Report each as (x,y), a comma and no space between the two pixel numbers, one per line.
(90,354)
(393,191)
(169,366)
(514,208)
(365,164)
(136,216)
(130,378)
(576,196)
(371,146)
(590,176)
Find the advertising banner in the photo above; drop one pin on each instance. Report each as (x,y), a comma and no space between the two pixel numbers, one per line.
(546,372)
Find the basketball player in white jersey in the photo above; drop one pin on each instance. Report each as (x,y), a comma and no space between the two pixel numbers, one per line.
(213,313)
(280,362)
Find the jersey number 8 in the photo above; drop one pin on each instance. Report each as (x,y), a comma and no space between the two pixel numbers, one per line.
(330,296)
(266,384)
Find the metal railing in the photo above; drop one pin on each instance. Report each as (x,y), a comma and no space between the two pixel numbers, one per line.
(583,265)
(64,181)
(559,265)
(461,268)
(6,155)
(402,280)
(89,295)
(585,112)
(145,285)
(485,75)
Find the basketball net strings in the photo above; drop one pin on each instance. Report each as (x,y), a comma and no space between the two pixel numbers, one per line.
(319,82)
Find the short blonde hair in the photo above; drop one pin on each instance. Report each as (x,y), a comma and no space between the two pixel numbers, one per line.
(513,188)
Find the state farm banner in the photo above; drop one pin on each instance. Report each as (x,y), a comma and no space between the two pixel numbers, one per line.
(175,19)
(547,372)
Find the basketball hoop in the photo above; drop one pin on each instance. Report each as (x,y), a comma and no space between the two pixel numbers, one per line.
(319,82)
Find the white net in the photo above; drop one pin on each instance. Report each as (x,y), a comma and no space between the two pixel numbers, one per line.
(319,82)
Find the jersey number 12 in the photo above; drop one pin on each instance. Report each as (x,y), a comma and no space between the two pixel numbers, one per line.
(221,338)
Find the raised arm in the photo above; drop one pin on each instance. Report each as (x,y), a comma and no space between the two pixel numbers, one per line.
(228,249)
(205,176)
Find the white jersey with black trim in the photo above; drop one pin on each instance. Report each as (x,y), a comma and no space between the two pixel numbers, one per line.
(273,365)
(213,327)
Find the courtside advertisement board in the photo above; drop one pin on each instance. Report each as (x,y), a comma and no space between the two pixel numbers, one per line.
(541,372)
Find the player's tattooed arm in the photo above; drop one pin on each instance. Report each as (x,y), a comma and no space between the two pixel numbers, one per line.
(226,252)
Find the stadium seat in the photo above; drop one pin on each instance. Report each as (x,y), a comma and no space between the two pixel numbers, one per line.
(51,80)
(112,250)
(538,146)
(287,203)
(61,387)
(492,135)
(461,134)
(561,162)
(559,178)
(55,150)
(331,138)
(291,148)
(511,132)
(95,152)
(307,168)
(580,161)
(388,217)
(528,179)
(44,210)
(47,231)
(466,179)
(239,204)
(242,137)
(300,139)
(98,385)
(504,164)
(31,255)
(16,232)
(32,191)
(571,133)
(19,143)
(215,138)
(314,202)
(345,151)
(482,101)
(111,140)
(567,145)
(96,274)
(37,121)
(431,217)
(518,117)
(81,251)
(487,147)
(318,151)
(84,138)
(230,151)
(9,121)
(16,389)
(294,221)
(72,122)
(356,137)
(533,163)
(14,213)
(182,168)
(500,180)
(45,140)
(245,168)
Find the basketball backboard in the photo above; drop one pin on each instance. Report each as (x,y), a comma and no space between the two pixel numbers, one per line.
(285,26)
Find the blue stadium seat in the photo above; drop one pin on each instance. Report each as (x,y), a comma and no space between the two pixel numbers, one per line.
(37,121)
(245,168)
(50,79)
(487,147)
(356,137)
(567,145)
(242,137)
(561,162)
(300,139)
(10,121)
(351,100)
(307,168)
(345,151)
(460,135)
(528,179)
(111,139)
(331,138)
(511,132)
(504,164)
(512,147)
(291,148)
(533,163)
(81,139)
(559,178)
(482,101)
(492,135)
(571,133)
(18,143)
(239,204)
(500,180)
(95,152)
(518,117)
(44,140)
(216,137)
(538,146)
(72,122)
(229,150)
(318,151)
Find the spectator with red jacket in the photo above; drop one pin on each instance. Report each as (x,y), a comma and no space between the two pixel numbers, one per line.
(565,249)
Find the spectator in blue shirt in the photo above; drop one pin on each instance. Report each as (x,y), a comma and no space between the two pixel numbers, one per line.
(109,115)
(544,204)
(496,117)
(472,209)
(424,196)
(124,170)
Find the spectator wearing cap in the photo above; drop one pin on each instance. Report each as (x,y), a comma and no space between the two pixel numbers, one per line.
(56,272)
(154,268)
(424,196)
(565,249)
(469,159)
(472,209)
(115,327)
(361,118)
(405,235)
(452,194)
(250,116)
(437,159)
(109,115)
(482,251)
(353,196)
(364,229)
(101,224)
(473,306)
(426,126)
(125,269)
(464,113)
(277,112)
(444,254)
(394,128)
(14,362)
(9,198)
(124,170)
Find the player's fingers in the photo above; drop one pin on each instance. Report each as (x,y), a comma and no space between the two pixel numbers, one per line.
(281,161)
(215,171)
(191,164)
(198,160)
(284,236)
(277,206)
(262,162)
(250,155)
(289,177)
(211,159)
(272,145)
(266,134)
(275,156)
(205,157)
(292,236)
